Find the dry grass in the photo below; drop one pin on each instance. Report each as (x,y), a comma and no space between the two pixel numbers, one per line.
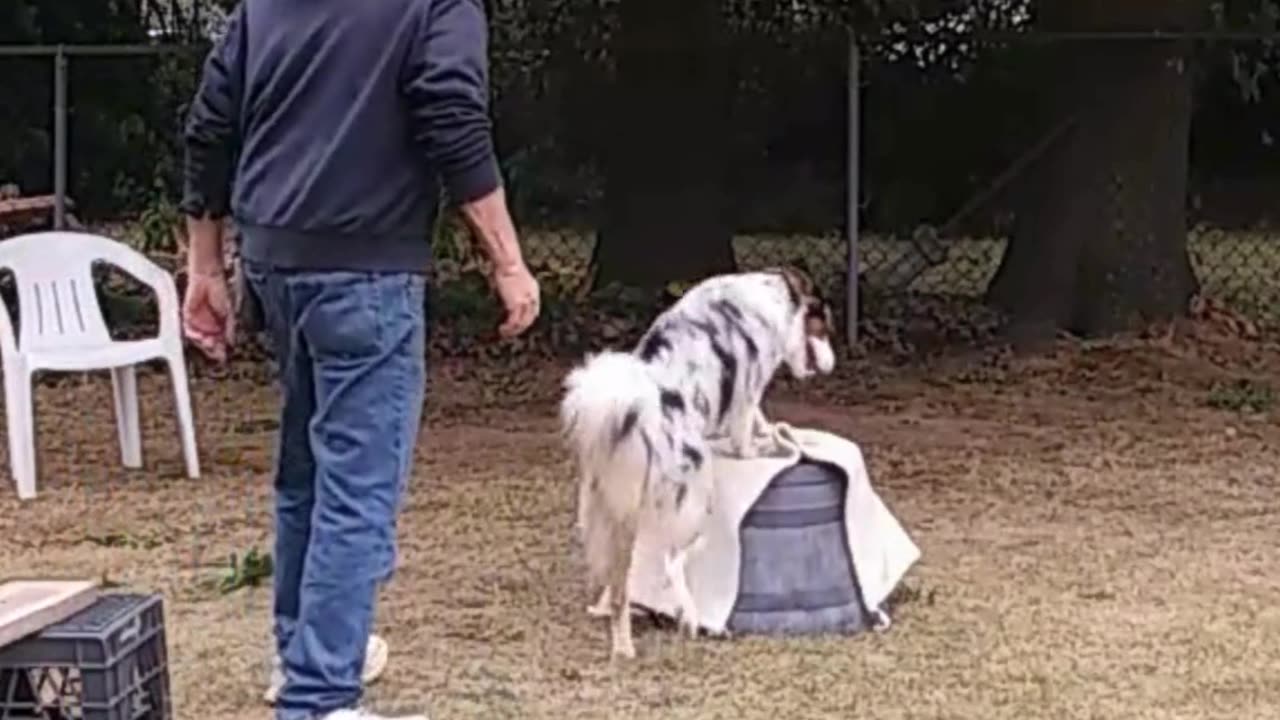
(1098,543)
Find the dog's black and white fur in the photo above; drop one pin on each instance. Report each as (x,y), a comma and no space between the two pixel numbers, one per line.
(639,424)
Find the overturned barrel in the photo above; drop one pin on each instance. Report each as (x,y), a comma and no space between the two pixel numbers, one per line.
(796,575)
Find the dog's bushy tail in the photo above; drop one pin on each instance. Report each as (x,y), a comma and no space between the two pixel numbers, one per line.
(610,414)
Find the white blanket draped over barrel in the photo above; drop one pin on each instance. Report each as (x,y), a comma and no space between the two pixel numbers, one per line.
(881,550)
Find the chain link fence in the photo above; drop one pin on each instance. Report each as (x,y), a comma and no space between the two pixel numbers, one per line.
(945,148)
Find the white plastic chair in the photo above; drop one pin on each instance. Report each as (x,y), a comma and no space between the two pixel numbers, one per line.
(62,329)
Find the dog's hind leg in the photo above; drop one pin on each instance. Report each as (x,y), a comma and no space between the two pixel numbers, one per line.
(619,595)
(586,493)
(601,607)
(694,502)
(673,565)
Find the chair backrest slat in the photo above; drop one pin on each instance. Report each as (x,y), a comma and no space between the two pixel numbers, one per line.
(58,304)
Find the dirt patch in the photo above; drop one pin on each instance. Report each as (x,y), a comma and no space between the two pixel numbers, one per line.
(1098,542)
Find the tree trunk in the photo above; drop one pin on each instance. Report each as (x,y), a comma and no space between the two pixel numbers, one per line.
(665,203)
(1100,239)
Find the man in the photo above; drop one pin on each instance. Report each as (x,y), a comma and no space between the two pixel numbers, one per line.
(326,129)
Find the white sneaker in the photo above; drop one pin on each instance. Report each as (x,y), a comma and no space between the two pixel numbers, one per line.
(366,715)
(375,661)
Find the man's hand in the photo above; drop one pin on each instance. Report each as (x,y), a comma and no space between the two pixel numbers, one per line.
(207,317)
(520,295)
(492,227)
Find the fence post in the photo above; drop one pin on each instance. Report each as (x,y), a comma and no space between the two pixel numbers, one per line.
(851,211)
(60,139)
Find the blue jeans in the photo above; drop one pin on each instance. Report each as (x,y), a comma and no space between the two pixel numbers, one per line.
(351,356)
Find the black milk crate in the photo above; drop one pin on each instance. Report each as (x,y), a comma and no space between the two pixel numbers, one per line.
(106,662)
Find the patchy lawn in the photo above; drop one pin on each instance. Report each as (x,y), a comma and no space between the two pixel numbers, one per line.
(1099,529)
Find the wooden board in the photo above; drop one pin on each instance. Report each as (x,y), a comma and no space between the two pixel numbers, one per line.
(29,606)
(18,214)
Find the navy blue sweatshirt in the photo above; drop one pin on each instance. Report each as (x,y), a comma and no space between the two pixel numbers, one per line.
(326,128)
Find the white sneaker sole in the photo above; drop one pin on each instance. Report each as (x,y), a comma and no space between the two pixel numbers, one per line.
(366,715)
(375,663)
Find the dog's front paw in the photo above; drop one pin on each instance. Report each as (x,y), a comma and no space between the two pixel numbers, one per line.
(687,621)
(764,446)
(722,634)
(765,429)
(778,448)
(744,449)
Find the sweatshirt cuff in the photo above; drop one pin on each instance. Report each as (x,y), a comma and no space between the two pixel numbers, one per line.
(199,203)
(473,182)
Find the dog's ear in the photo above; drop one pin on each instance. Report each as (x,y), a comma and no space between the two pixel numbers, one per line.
(799,286)
(806,298)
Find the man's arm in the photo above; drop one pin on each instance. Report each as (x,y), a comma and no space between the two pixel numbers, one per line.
(211,143)
(446,84)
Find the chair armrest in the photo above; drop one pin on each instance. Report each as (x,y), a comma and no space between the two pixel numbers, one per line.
(161,282)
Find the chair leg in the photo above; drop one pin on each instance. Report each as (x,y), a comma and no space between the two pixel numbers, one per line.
(186,422)
(124,386)
(21,421)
